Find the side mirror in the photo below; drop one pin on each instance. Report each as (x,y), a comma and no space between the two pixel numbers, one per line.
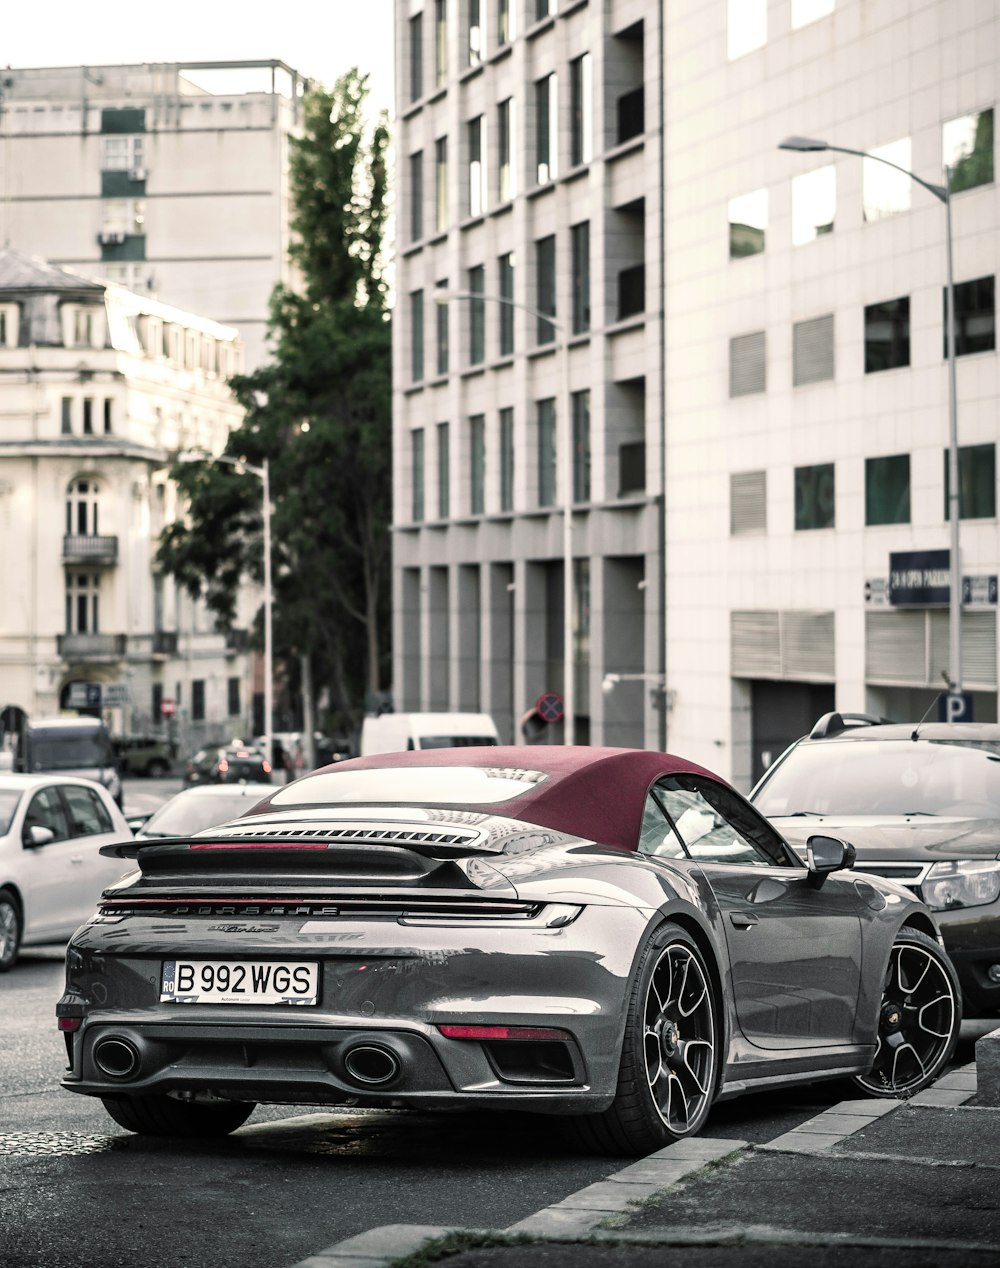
(825,855)
(38,836)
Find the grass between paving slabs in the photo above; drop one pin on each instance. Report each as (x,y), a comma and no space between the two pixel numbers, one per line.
(455,1243)
(620,1219)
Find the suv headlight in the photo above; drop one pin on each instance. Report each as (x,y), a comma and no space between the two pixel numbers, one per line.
(971,883)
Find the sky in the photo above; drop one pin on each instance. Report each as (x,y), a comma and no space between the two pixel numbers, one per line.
(320,38)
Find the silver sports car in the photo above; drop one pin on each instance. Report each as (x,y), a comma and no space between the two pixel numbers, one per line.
(613,936)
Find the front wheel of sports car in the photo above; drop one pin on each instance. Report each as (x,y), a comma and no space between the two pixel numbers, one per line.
(165,1116)
(668,1074)
(919,1018)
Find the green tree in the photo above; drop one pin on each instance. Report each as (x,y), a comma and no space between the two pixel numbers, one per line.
(320,411)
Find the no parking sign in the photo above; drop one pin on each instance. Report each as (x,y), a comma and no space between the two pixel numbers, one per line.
(549,706)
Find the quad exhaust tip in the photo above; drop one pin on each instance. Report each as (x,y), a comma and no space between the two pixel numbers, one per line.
(372,1065)
(116,1057)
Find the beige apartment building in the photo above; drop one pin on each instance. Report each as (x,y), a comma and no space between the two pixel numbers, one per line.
(733,436)
(99,388)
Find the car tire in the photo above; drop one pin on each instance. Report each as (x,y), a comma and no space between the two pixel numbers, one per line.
(157,768)
(920,1016)
(668,1075)
(10,930)
(166,1116)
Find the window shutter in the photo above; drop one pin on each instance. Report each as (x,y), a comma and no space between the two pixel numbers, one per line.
(812,350)
(748,364)
(747,502)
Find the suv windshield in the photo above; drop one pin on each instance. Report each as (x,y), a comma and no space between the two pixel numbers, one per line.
(883,777)
(69,752)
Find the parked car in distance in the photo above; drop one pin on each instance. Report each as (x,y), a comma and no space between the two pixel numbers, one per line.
(611,936)
(920,803)
(150,755)
(70,746)
(52,873)
(227,765)
(202,806)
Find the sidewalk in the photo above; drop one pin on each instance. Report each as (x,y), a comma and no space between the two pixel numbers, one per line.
(887,1184)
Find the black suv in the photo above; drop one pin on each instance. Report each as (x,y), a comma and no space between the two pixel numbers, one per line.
(220,765)
(920,803)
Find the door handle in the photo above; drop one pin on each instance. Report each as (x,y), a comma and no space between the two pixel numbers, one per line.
(742,919)
(76,859)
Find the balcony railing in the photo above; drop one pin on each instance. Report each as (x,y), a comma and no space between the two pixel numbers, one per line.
(87,548)
(91,646)
(164,642)
(237,641)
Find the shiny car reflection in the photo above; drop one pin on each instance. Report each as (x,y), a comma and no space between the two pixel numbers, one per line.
(612,936)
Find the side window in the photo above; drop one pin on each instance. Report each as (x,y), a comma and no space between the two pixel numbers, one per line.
(46,811)
(88,815)
(716,826)
(657,836)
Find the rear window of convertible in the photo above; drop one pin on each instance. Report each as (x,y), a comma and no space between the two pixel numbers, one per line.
(410,785)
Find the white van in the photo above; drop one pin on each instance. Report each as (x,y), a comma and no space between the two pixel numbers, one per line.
(400,732)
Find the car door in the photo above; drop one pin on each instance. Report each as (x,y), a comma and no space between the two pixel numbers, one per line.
(91,826)
(49,872)
(794,950)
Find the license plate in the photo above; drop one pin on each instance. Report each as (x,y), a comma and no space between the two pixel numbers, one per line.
(239,982)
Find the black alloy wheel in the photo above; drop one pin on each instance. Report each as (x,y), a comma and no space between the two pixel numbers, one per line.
(10,930)
(669,1069)
(919,1018)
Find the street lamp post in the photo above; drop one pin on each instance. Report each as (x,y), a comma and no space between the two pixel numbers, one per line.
(263,473)
(564,449)
(942,193)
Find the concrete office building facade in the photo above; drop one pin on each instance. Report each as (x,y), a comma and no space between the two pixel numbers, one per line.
(750,349)
(162,178)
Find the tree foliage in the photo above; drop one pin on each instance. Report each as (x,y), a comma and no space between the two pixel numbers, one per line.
(320,412)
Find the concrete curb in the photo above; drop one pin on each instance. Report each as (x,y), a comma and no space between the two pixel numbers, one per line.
(988,1068)
(378,1246)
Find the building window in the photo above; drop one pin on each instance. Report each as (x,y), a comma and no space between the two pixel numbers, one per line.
(477,315)
(747,502)
(814,204)
(506,459)
(747,224)
(441,184)
(83,328)
(443,471)
(967,149)
(887,335)
(233,697)
(748,364)
(884,191)
(417,336)
(440,43)
(477,49)
(506,150)
(581,144)
(806,11)
(198,700)
(814,497)
(83,606)
(543,9)
(441,324)
(545,287)
(122,216)
(67,415)
(416,196)
(476,132)
(505,288)
(977,483)
(746,27)
(581,446)
(506,21)
(88,416)
(82,508)
(416,57)
(156,700)
(546,129)
(477,464)
(9,314)
(547,452)
(812,350)
(123,153)
(975,317)
(887,489)
(580,245)
(417,487)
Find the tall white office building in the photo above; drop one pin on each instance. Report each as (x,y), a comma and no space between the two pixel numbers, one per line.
(741,409)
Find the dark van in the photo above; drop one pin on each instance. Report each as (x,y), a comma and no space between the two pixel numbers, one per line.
(71,746)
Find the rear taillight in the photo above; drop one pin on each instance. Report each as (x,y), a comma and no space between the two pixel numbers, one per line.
(259,845)
(502,1032)
(69,1023)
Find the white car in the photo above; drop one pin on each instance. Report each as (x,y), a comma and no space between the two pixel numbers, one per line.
(202,806)
(52,873)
